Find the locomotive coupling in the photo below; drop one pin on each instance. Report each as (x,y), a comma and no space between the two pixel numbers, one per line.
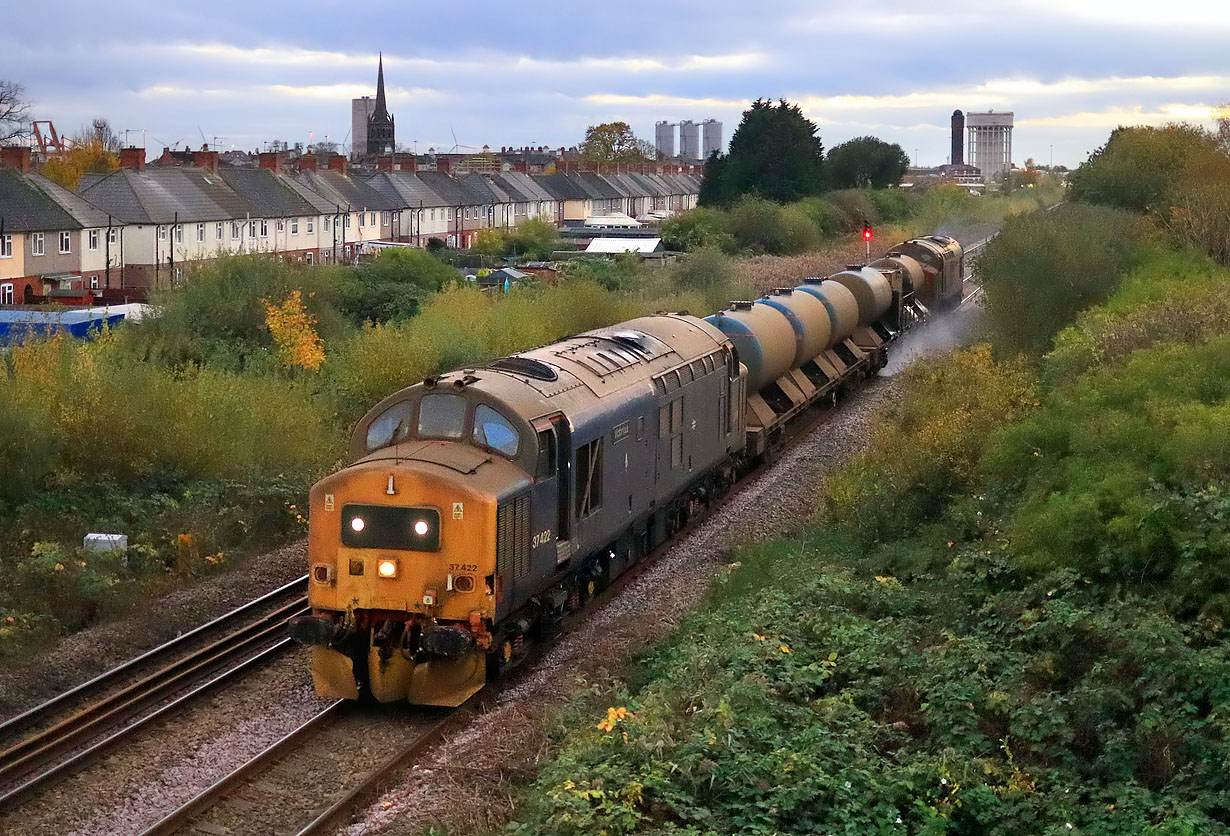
(443,640)
(313,629)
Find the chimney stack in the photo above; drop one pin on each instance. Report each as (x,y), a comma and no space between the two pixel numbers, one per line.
(132,159)
(271,160)
(384,163)
(337,163)
(205,158)
(16,157)
(307,162)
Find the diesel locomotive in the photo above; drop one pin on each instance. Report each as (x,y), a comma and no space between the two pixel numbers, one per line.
(483,505)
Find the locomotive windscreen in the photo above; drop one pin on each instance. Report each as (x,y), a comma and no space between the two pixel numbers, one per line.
(390,527)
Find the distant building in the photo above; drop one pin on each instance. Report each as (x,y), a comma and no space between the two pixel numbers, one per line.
(664,139)
(689,140)
(380,133)
(711,137)
(958,138)
(990,142)
(361,111)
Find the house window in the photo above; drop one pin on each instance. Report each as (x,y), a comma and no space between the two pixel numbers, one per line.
(326,224)
(93,238)
(265,228)
(162,233)
(66,242)
(179,234)
(218,231)
(36,244)
(308,255)
(234,232)
(6,246)
(252,229)
(346,222)
(362,218)
(200,232)
(93,282)
(281,225)
(433,214)
(294,226)
(113,235)
(309,226)
(6,292)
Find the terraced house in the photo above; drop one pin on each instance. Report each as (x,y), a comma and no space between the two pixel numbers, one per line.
(142,227)
(53,244)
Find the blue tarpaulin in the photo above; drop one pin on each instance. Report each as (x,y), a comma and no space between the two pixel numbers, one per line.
(17,324)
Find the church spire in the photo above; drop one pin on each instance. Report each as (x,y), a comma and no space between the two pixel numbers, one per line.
(380,105)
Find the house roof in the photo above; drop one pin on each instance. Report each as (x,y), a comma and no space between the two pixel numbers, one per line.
(82,211)
(406,189)
(560,187)
(624,245)
(339,189)
(267,194)
(450,189)
(526,184)
(166,195)
(26,208)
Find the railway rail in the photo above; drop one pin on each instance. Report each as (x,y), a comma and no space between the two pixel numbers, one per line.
(63,734)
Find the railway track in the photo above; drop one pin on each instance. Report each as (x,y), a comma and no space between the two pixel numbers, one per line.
(63,734)
(358,746)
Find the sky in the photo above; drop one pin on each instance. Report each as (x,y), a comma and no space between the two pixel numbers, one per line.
(512,74)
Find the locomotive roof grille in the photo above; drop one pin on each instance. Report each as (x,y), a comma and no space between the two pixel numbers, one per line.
(527,367)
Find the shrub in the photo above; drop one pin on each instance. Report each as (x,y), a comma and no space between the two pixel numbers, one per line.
(697,228)
(763,227)
(1045,267)
(927,449)
(703,270)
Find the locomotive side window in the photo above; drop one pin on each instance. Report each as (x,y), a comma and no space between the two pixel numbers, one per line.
(491,429)
(442,416)
(389,427)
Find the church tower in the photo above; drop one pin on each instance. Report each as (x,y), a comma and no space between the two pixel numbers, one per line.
(380,139)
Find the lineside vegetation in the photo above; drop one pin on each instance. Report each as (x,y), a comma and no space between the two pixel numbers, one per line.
(1009,614)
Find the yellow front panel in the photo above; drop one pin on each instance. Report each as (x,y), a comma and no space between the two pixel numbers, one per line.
(467,543)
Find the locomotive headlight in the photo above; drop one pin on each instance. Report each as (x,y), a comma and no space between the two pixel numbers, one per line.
(387,568)
(357,524)
(421,528)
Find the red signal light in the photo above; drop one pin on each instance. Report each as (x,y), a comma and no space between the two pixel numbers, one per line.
(866,232)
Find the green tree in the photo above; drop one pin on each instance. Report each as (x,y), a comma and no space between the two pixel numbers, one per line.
(866,161)
(1139,168)
(774,153)
(613,142)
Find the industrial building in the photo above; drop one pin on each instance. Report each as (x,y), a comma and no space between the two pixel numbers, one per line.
(664,139)
(689,140)
(990,142)
(711,133)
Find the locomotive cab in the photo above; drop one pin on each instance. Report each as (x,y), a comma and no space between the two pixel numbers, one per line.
(402,546)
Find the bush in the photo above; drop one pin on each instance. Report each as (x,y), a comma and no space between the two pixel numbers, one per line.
(703,270)
(218,316)
(761,227)
(697,228)
(854,207)
(927,450)
(1045,267)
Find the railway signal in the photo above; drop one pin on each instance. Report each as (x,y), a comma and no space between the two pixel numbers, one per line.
(867,238)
